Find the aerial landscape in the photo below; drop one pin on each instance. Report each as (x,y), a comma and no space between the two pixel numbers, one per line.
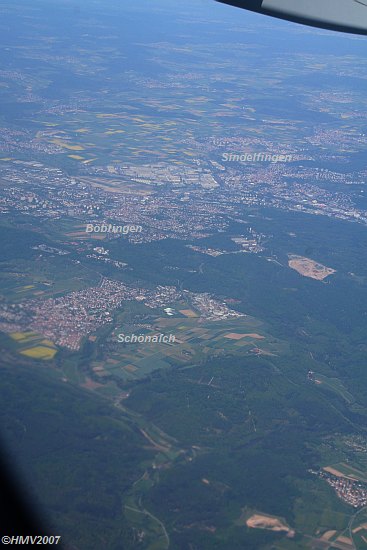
(183,275)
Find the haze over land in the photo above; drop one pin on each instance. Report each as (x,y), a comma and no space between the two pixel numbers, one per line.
(247,428)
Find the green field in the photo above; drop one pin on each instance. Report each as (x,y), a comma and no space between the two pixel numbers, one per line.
(195,340)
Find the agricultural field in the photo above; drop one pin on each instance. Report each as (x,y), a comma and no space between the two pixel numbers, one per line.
(195,340)
(359,530)
(34,345)
(342,469)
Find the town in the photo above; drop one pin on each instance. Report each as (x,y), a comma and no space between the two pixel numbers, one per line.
(68,319)
(350,490)
(168,205)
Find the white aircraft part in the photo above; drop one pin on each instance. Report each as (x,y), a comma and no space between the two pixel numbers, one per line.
(349,13)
